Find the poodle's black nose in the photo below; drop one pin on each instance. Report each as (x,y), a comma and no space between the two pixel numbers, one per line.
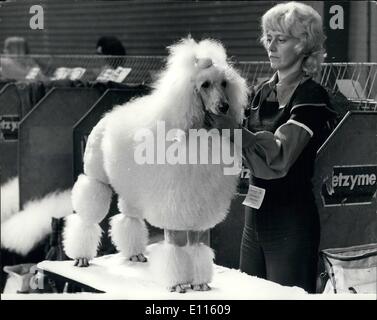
(224,107)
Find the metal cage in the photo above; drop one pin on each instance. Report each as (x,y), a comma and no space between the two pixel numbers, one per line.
(356,81)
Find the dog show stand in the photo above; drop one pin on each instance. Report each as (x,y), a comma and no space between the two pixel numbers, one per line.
(122,279)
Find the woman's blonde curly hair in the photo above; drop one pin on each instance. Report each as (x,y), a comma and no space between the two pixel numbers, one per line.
(300,21)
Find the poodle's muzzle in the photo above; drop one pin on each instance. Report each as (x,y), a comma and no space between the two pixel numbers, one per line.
(210,86)
(217,105)
(224,107)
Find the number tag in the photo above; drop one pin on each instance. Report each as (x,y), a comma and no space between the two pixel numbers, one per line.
(254,197)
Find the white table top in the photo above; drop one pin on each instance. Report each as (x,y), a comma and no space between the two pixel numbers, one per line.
(121,278)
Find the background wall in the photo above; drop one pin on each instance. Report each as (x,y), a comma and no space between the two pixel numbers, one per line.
(147,27)
(144,27)
(362,46)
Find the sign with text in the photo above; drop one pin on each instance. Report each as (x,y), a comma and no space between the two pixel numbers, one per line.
(350,185)
(9,127)
(68,73)
(243,185)
(33,73)
(115,75)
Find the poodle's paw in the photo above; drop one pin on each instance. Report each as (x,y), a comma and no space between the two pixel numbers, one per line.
(138,258)
(178,288)
(81,262)
(200,287)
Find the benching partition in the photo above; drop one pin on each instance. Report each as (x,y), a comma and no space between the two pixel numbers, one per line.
(84,126)
(45,141)
(345,182)
(16,100)
(10,115)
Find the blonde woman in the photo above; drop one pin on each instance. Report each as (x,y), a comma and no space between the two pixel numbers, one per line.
(286,126)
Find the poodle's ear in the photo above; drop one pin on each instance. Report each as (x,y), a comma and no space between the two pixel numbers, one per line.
(203,63)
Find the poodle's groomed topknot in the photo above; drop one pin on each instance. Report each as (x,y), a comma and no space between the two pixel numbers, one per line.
(187,51)
(213,49)
(204,63)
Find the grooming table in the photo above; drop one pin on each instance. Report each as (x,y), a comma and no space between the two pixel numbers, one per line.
(115,275)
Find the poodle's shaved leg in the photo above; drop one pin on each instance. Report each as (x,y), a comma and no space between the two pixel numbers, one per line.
(202,258)
(177,238)
(81,262)
(194,237)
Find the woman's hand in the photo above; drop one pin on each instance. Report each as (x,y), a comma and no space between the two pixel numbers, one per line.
(219,121)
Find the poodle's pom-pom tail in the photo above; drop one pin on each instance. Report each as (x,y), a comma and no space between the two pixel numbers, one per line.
(202,257)
(25,229)
(170,265)
(81,238)
(129,234)
(91,198)
(9,199)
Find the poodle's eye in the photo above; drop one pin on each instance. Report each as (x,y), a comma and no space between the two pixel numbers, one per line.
(223,84)
(206,84)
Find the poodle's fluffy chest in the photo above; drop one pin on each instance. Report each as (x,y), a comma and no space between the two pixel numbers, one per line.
(183,196)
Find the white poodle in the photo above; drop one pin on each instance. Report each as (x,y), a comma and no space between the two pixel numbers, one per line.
(158,180)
